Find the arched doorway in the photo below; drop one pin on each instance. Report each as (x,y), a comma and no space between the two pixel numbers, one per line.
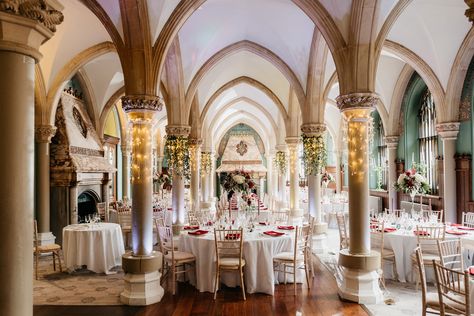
(87,204)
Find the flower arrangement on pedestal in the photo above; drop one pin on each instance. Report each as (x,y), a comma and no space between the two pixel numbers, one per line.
(161,178)
(177,154)
(412,182)
(280,162)
(237,181)
(206,162)
(326,178)
(314,153)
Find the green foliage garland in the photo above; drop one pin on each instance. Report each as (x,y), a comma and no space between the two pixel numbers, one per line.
(314,154)
(177,153)
(280,162)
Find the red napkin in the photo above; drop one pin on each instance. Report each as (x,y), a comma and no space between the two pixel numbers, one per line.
(389,229)
(373,226)
(455,225)
(263,223)
(191,227)
(454,232)
(421,233)
(198,232)
(210,223)
(471,270)
(465,228)
(286,227)
(273,233)
(232,236)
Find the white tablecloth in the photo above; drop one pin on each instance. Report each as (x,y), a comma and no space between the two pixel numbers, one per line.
(404,243)
(98,246)
(258,252)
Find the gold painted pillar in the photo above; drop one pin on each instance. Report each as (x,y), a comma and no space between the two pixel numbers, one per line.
(195,165)
(359,281)
(177,193)
(24,28)
(295,210)
(43,135)
(126,152)
(448,133)
(392,145)
(141,265)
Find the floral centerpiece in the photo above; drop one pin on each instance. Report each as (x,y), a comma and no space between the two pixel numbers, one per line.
(237,181)
(161,178)
(326,178)
(412,182)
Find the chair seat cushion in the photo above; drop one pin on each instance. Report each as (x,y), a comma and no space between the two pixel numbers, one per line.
(427,258)
(230,262)
(287,256)
(47,248)
(181,256)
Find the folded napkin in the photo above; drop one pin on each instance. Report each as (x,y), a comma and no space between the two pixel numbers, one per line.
(273,233)
(455,232)
(465,228)
(232,236)
(373,226)
(198,232)
(286,227)
(455,225)
(263,223)
(471,270)
(421,233)
(389,229)
(191,227)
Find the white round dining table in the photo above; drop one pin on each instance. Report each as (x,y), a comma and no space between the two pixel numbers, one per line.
(99,246)
(258,252)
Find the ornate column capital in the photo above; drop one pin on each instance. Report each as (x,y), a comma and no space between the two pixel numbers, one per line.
(448,130)
(141,103)
(469,12)
(44,133)
(194,142)
(292,141)
(392,141)
(280,147)
(27,24)
(313,129)
(178,130)
(355,101)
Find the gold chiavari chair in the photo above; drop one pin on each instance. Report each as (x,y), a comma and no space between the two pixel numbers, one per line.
(377,241)
(343,234)
(453,290)
(429,300)
(468,219)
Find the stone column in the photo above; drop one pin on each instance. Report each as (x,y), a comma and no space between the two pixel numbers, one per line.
(212,180)
(295,211)
(448,133)
(314,194)
(159,164)
(261,191)
(126,152)
(392,145)
(73,207)
(359,281)
(270,171)
(281,186)
(24,29)
(338,171)
(195,165)
(142,264)
(206,166)
(43,135)
(106,194)
(177,193)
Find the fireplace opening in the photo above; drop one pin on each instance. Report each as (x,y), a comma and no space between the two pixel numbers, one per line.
(87,204)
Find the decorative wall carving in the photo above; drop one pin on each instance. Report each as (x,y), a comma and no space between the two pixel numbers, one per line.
(194,141)
(178,130)
(448,130)
(141,103)
(241,148)
(37,10)
(44,133)
(81,125)
(86,151)
(357,100)
(391,141)
(466,96)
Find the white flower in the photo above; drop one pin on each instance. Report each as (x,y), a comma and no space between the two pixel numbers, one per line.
(419,178)
(239,179)
(401,178)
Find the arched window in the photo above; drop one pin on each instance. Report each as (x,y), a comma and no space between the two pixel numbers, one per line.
(428,140)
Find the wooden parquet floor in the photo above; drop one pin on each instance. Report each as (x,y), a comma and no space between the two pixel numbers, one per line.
(320,300)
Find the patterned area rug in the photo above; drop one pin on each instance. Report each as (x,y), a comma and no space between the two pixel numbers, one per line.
(78,288)
(399,298)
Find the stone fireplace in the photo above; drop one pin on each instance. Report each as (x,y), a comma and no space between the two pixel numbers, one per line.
(80,174)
